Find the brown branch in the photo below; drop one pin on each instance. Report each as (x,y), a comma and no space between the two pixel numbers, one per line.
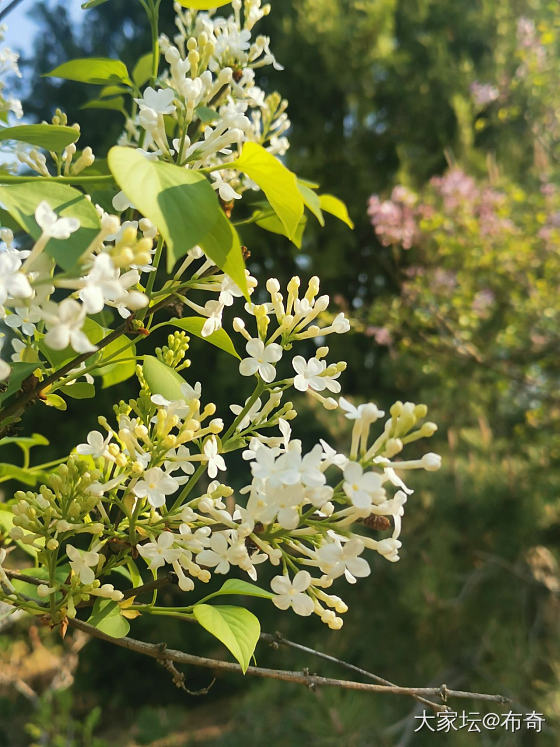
(160,652)
(26,396)
(22,577)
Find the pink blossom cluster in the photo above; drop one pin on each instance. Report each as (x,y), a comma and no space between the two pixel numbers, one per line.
(394,220)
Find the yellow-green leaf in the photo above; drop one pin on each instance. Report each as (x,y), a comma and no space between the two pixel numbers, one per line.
(334,206)
(142,71)
(21,201)
(277,182)
(162,379)
(184,207)
(106,616)
(99,71)
(237,628)
(51,137)
(311,200)
(194,324)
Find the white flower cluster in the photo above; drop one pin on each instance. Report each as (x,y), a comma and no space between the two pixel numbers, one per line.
(208,96)
(107,274)
(304,512)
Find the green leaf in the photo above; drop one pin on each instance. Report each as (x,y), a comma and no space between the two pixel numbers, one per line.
(25,442)
(311,199)
(116,103)
(92,4)
(99,71)
(6,220)
(194,324)
(11,472)
(18,374)
(270,222)
(42,574)
(21,200)
(184,207)
(334,206)
(238,586)
(119,371)
(143,69)
(205,114)
(203,4)
(162,379)
(79,390)
(106,617)
(53,400)
(277,182)
(237,628)
(50,137)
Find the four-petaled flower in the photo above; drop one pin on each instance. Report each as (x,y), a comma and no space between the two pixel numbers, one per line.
(161,552)
(362,488)
(261,359)
(215,460)
(82,562)
(155,486)
(291,593)
(65,327)
(53,226)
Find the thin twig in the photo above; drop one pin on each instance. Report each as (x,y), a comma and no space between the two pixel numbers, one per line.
(12,6)
(161,652)
(22,577)
(278,639)
(26,397)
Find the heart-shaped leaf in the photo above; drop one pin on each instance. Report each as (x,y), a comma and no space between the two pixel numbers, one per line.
(237,628)
(184,207)
(276,181)
(238,586)
(162,379)
(194,324)
(99,71)
(106,616)
(21,201)
(334,206)
(50,137)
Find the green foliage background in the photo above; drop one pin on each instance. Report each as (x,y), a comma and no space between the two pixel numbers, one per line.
(379,94)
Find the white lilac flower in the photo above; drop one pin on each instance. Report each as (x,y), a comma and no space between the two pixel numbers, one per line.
(367,412)
(24,318)
(277,470)
(250,414)
(336,559)
(121,202)
(65,327)
(160,101)
(179,459)
(310,375)
(280,503)
(213,310)
(362,488)
(13,283)
(4,370)
(82,562)
(291,593)
(219,555)
(155,485)
(96,445)
(261,359)
(53,226)
(161,552)
(215,460)
(101,284)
